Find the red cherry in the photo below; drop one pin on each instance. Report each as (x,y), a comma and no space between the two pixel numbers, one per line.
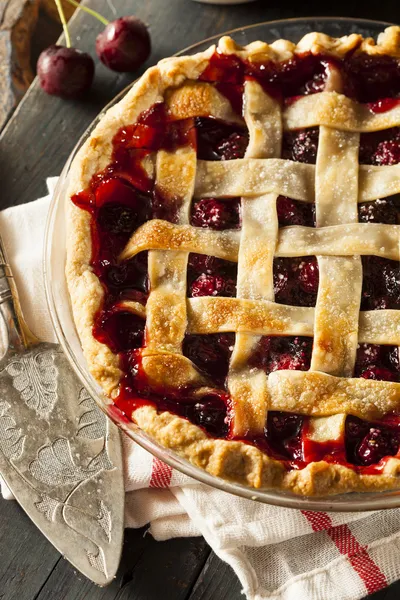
(215,214)
(213,285)
(290,212)
(368,354)
(377,444)
(378,374)
(233,147)
(65,72)
(124,45)
(387,153)
(309,275)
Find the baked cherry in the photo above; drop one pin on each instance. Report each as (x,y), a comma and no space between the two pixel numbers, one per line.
(232,147)
(215,214)
(65,72)
(296,281)
(284,425)
(387,153)
(391,278)
(116,218)
(120,330)
(293,212)
(203,263)
(211,413)
(378,373)
(368,354)
(126,280)
(382,210)
(212,285)
(301,146)
(309,275)
(124,45)
(375,445)
(394,358)
(355,428)
(371,77)
(211,276)
(367,443)
(381,284)
(288,361)
(218,140)
(283,434)
(260,355)
(281,277)
(290,353)
(210,353)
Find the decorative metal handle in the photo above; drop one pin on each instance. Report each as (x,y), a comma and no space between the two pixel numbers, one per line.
(19,335)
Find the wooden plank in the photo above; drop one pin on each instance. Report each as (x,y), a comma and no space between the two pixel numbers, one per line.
(27,558)
(17,22)
(149,569)
(217,581)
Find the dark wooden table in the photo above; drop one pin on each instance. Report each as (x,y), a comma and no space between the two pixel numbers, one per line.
(34,145)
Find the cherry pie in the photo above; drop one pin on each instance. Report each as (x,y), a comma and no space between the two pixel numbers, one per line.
(233,260)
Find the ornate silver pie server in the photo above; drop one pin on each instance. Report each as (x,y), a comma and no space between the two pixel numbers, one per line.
(59,454)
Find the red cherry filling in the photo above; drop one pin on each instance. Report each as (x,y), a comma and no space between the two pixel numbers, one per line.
(381,283)
(394,358)
(387,153)
(309,275)
(211,354)
(382,210)
(296,281)
(301,146)
(377,362)
(294,212)
(211,414)
(210,276)
(216,214)
(127,280)
(283,434)
(367,443)
(277,353)
(378,373)
(369,78)
(380,147)
(120,330)
(212,285)
(218,140)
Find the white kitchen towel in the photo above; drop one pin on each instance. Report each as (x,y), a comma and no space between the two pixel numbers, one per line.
(278,554)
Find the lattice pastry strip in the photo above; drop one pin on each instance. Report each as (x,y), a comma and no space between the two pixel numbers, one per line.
(339,112)
(262,317)
(259,233)
(256,176)
(166,307)
(346,240)
(340,278)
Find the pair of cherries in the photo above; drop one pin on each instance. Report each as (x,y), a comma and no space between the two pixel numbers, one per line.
(123,46)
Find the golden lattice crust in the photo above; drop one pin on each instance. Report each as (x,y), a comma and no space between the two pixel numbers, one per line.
(325,392)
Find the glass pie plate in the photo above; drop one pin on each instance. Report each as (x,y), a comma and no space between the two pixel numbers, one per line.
(60,310)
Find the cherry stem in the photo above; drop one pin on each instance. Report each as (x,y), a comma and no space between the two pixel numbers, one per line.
(64,23)
(90,11)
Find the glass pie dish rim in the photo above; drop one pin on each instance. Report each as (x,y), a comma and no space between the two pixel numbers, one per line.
(58,303)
